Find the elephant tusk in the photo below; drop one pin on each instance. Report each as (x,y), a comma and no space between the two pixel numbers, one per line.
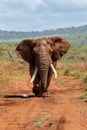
(34,74)
(54,70)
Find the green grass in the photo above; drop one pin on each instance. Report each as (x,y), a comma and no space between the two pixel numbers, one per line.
(72,72)
(84,82)
(40,121)
(60,82)
(83,96)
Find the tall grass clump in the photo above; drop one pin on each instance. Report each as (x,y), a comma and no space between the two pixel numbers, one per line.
(84,86)
(84,82)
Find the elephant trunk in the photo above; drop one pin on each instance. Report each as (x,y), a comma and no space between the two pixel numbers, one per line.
(43,67)
(43,76)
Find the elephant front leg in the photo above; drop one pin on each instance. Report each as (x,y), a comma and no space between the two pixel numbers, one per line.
(36,82)
(37,85)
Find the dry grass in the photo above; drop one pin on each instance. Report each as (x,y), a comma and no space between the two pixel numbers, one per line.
(10,71)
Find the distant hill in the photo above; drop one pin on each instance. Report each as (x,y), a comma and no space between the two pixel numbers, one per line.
(71,32)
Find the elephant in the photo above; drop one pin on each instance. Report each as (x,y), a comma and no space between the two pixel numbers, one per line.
(42,55)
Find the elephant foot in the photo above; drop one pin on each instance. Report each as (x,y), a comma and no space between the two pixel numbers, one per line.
(39,92)
(36,90)
(43,94)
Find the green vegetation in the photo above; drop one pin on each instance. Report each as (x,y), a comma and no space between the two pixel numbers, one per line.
(11,67)
(76,35)
(61,83)
(84,82)
(84,86)
(74,64)
(83,96)
(40,121)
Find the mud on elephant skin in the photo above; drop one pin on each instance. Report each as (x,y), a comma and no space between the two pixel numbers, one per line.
(42,55)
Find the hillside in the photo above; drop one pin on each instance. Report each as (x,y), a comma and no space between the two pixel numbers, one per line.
(73,34)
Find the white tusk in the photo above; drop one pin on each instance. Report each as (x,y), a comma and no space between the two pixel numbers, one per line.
(54,70)
(34,74)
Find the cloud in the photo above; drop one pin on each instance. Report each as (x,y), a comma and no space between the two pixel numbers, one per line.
(42,6)
(66,5)
(32,4)
(41,14)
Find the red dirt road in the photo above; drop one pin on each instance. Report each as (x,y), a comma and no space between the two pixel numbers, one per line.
(61,110)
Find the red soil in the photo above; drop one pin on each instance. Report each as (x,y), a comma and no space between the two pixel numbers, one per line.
(61,110)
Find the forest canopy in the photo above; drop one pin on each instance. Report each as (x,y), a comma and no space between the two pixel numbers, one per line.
(75,35)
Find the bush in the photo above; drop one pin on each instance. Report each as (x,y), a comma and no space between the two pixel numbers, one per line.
(84,82)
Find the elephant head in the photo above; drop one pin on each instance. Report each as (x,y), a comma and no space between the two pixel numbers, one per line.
(42,55)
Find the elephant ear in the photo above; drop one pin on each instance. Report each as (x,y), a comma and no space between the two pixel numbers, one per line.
(60,46)
(24,50)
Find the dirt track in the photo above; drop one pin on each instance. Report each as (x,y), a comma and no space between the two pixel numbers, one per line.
(61,110)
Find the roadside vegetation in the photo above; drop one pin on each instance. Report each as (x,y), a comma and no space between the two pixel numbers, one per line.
(11,67)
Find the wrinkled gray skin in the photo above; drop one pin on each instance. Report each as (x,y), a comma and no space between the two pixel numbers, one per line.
(41,53)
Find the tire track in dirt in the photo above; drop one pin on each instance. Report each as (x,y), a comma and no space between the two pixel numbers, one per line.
(74,115)
(20,115)
(65,119)
(22,120)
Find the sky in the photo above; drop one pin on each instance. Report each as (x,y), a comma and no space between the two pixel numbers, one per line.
(38,15)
